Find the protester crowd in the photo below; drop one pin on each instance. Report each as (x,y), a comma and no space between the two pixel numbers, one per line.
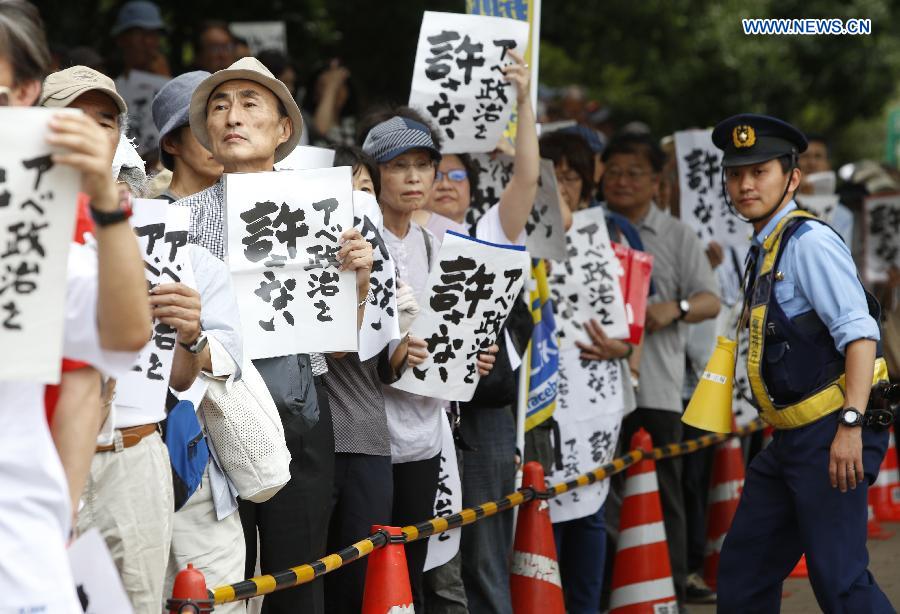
(362,452)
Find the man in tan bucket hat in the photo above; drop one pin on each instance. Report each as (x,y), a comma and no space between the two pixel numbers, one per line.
(248,120)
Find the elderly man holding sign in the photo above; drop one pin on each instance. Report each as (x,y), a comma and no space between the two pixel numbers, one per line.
(248,120)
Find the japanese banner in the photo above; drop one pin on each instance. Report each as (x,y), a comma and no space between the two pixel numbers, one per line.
(138,88)
(162,232)
(284,231)
(544,229)
(380,322)
(882,235)
(37,218)
(447,501)
(589,410)
(457,77)
(305,157)
(469,294)
(700,182)
(97,582)
(587,285)
(821,205)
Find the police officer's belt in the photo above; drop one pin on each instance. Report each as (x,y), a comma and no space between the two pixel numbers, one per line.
(820,402)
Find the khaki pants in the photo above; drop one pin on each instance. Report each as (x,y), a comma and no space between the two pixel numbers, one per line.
(129,498)
(215,547)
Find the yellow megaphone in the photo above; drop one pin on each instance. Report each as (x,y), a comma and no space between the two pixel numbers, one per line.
(710,406)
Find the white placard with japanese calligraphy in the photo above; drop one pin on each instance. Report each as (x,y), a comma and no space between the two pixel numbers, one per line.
(97,581)
(822,206)
(162,232)
(380,323)
(37,218)
(306,157)
(544,229)
(469,294)
(882,235)
(138,88)
(284,231)
(458,80)
(261,35)
(447,501)
(589,410)
(587,285)
(703,207)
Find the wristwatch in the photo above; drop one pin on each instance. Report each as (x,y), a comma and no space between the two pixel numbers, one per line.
(850,416)
(197,346)
(107,218)
(683,308)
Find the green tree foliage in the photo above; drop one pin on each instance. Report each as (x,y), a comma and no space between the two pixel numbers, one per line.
(683,63)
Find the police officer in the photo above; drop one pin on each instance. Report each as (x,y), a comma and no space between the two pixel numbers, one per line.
(814,355)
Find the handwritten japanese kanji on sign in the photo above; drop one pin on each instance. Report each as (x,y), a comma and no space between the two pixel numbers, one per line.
(457,77)
(589,410)
(469,294)
(587,285)
(162,232)
(380,322)
(37,217)
(447,500)
(882,235)
(284,231)
(544,229)
(703,207)
(822,206)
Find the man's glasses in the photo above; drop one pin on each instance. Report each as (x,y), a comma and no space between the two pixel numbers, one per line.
(457,175)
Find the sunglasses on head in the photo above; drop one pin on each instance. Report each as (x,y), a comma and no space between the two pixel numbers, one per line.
(456,175)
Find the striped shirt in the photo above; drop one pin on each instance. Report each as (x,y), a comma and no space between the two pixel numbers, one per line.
(357,406)
(207,229)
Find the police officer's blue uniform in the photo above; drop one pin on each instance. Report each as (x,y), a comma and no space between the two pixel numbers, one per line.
(805,305)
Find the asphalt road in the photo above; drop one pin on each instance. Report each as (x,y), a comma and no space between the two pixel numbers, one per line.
(884,556)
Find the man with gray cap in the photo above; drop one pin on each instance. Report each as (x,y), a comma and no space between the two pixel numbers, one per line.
(248,119)
(193,167)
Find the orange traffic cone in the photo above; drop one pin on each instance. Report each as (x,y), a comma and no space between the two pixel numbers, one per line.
(884,494)
(724,496)
(874,530)
(768,433)
(642,575)
(387,577)
(800,570)
(189,594)
(534,579)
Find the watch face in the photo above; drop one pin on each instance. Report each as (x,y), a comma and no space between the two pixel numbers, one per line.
(850,417)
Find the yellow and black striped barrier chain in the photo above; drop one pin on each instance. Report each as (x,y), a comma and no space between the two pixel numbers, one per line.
(302,574)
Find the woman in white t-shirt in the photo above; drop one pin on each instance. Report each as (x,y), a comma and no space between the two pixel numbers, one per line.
(407,154)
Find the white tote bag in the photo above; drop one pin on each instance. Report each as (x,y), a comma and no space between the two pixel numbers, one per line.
(245,428)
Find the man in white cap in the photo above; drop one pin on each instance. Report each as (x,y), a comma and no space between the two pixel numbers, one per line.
(248,119)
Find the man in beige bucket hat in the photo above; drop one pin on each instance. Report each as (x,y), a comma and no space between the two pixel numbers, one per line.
(248,120)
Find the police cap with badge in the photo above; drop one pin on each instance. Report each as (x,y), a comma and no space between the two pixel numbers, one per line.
(749,138)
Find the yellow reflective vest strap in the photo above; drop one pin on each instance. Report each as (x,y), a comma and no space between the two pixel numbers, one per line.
(818,403)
